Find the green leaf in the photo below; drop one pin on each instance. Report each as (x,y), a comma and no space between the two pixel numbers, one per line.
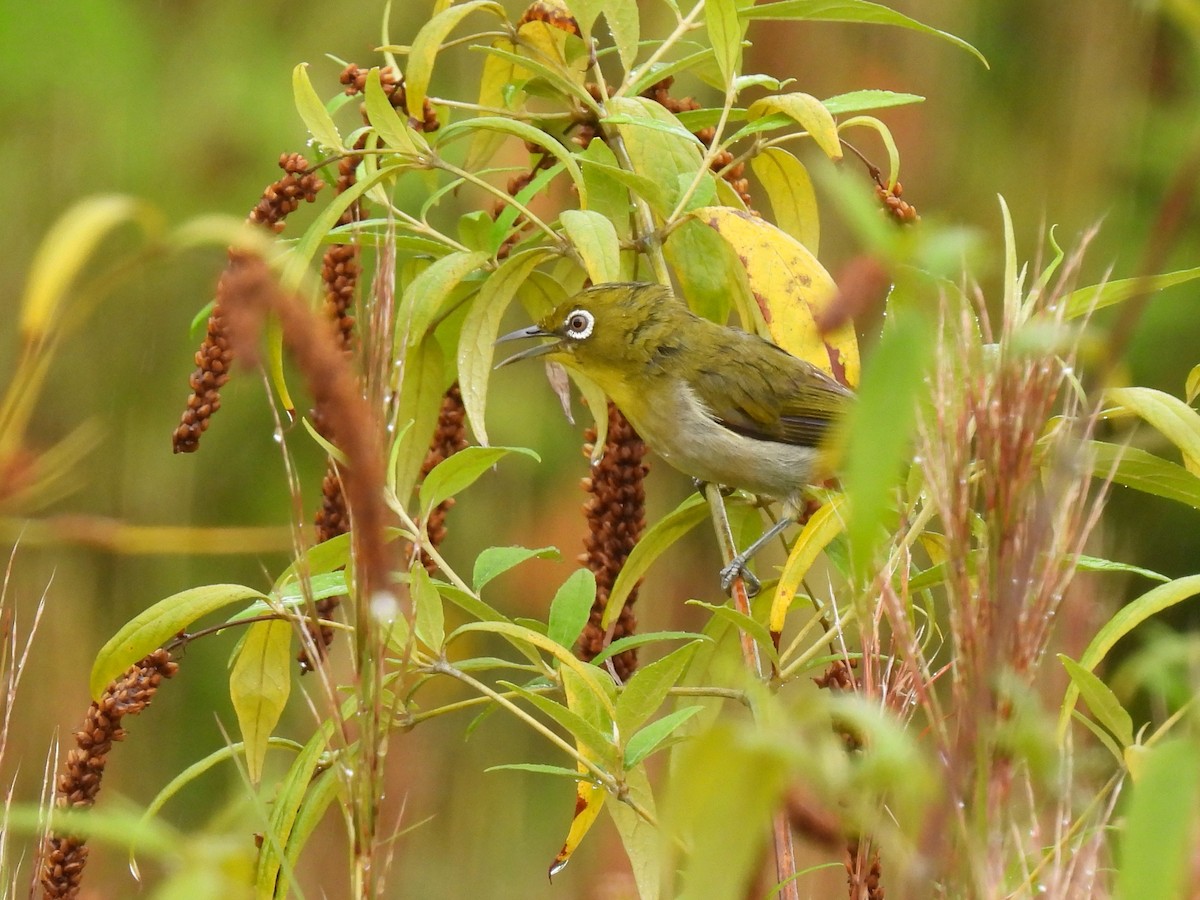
(494,94)
(427,607)
(1174,419)
(622,19)
(428,42)
(743,622)
(849,11)
(590,738)
(1086,300)
(259,685)
(1095,564)
(481,327)
(287,802)
(557,77)
(316,801)
(1127,618)
(542,769)
(879,428)
(659,148)
(725,33)
(1192,386)
(861,101)
(153,627)
(654,736)
(1145,472)
(1158,834)
(422,385)
(645,692)
(495,561)
(597,682)
(790,190)
(616,205)
(595,238)
(809,112)
(462,469)
(525,132)
(385,120)
(647,637)
(316,117)
(711,277)
(425,294)
(642,840)
(1100,700)
(570,607)
(656,539)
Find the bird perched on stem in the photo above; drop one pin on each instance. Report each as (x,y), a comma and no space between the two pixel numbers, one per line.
(717,403)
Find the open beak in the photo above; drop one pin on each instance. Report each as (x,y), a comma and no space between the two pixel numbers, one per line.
(531,332)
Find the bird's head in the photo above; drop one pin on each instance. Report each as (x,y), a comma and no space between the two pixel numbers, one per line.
(599,331)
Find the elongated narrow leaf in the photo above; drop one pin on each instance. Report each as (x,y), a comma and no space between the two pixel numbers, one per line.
(585,733)
(646,637)
(427,606)
(792,288)
(1085,300)
(322,791)
(861,101)
(589,801)
(287,802)
(570,607)
(598,682)
(543,769)
(153,627)
(848,11)
(525,132)
(495,94)
(425,47)
(66,249)
(614,204)
(821,528)
(659,147)
(480,328)
(1094,564)
(790,190)
(316,118)
(1145,472)
(424,296)
(808,112)
(623,21)
(259,684)
(1174,419)
(384,118)
(422,385)
(462,469)
(1126,619)
(725,34)
(1100,700)
(496,561)
(743,622)
(655,735)
(657,538)
(645,692)
(595,239)
(642,840)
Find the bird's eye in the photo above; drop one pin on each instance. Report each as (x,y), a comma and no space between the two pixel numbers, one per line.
(579,324)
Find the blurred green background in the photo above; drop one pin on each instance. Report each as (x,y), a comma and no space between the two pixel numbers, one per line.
(1088,113)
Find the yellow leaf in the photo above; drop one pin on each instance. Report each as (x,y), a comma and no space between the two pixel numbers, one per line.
(792,289)
(809,112)
(589,800)
(790,191)
(822,527)
(259,684)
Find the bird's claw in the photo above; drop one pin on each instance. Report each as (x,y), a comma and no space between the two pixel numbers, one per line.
(735,569)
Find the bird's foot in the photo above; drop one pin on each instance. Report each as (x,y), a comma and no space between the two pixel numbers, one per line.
(700,484)
(737,567)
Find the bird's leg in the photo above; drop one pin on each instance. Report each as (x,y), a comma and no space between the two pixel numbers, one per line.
(737,565)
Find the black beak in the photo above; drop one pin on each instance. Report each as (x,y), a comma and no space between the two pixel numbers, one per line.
(531,332)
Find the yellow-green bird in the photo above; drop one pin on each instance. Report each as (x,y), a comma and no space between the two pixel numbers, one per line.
(717,403)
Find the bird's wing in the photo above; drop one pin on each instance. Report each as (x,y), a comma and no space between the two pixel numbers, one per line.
(772,396)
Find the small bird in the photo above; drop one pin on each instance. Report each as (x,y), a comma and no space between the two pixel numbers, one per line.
(716,403)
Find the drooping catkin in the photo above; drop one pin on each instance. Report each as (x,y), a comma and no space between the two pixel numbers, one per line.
(616,517)
(64,855)
(215,355)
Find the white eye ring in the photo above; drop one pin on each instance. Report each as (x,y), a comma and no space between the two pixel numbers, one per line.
(579,324)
